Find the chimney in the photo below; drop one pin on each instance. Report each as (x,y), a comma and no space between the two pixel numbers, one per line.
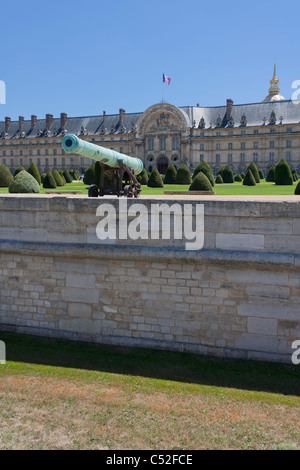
(121,115)
(33,121)
(229,106)
(104,115)
(49,121)
(7,123)
(63,120)
(21,122)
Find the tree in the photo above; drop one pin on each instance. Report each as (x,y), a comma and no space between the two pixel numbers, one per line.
(270,178)
(58,179)
(200,183)
(67,176)
(89,176)
(205,168)
(170,176)
(238,177)
(18,169)
(219,179)
(283,174)
(49,181)
(33,171)
(183,175)
(24,182)
(249,179)
(254,171)
(5,176)
(227,175)
(155,180)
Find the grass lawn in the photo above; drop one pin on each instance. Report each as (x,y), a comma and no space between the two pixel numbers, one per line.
(57,394)
(235,188)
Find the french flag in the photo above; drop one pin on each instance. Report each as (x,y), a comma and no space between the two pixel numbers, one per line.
(166,79)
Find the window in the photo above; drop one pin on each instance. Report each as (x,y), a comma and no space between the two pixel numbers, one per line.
(255,157)
(242,158)
(46,161)
(243,132)
(54,161)
(201,146)
(3,153)
(46,151)
(121,149)
(230,134)
(21,161)
(162,143)
(150,145)
(175,143)
(243,145)
(38,152)
(255,131)
(63,161)
(201,157)
(272,144)
(230,158)
(218,146)
(289,130)
(218,158)
(255,145)
(230,146)
(288,156)
(218,134)
(272,131)
(288,143)
(271,156)
(54,152)
(12,153)
(21,152)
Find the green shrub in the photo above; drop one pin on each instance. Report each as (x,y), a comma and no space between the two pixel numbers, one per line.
(297,189)
(183,175)
(33,171)
(18,169)
(220,171)
(219,179)
(58,179)
(107,177)
(227,174)
(67,176)
(24,182)
(238,178)
(249,179)
(155,180)
(49,181)
(261,175)
(243,175)
(89,176)
(143,177)
(283,174)
(43,176)
(295,176)
(170,176)
(201,183)
(205,168)
(270,178)
(5,176)
(254,171)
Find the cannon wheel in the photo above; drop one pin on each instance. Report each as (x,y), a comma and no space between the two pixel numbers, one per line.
(93,191)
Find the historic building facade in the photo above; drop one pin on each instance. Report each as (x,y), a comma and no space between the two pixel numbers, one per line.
(231,134)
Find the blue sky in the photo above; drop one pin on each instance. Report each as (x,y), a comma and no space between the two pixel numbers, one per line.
(83,57)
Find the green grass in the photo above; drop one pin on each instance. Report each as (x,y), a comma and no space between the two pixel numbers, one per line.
(224,189)
(58,394)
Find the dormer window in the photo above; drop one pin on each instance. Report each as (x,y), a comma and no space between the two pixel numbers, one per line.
(272,118)
(243,120)
(219,122)
(230,122)
(202,123)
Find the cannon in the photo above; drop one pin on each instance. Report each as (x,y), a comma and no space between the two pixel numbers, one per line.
(123,168)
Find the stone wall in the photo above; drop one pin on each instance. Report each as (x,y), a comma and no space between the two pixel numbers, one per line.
(237,297)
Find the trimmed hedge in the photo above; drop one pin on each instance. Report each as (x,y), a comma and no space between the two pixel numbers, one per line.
(227,174)
(49,181)
(283,174)
(5,176)
(67,176)
(155,180)
(219,179)
(238,178)
(58,179)
(254,171)
(270,178)
(143,177)
(89,176)
(18,169)
(183,175)
(205,168)
(249,179)
(297,189)
(33,171)
(24,182)
(201,183)
(170,176)
(261,175)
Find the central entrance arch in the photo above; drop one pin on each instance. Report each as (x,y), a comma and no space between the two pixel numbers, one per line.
(162,164)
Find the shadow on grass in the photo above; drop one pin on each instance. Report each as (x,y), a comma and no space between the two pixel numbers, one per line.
(158,364)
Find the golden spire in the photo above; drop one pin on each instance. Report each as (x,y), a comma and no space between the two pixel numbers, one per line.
(274,88)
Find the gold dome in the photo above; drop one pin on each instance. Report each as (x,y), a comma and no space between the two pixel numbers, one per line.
(274,90)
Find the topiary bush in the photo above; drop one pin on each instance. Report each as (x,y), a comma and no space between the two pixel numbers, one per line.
(143,177)
(254,171)
(283,174)
(155,180)
(89,176)
(297,189)
(49,181)
(33,171)
(43,176)
(227,174)
(243,175)
(24,182)
(200,183)
(107,177)
(171,174)
(238,178)
(183,175)
(18,169)
(249,179)
(58,179)
(270,178)
(219,179)
(261,175)
(67,176)
(205,168)
(5,176)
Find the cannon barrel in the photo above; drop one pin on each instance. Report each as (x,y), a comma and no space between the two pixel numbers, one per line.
(72,144)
